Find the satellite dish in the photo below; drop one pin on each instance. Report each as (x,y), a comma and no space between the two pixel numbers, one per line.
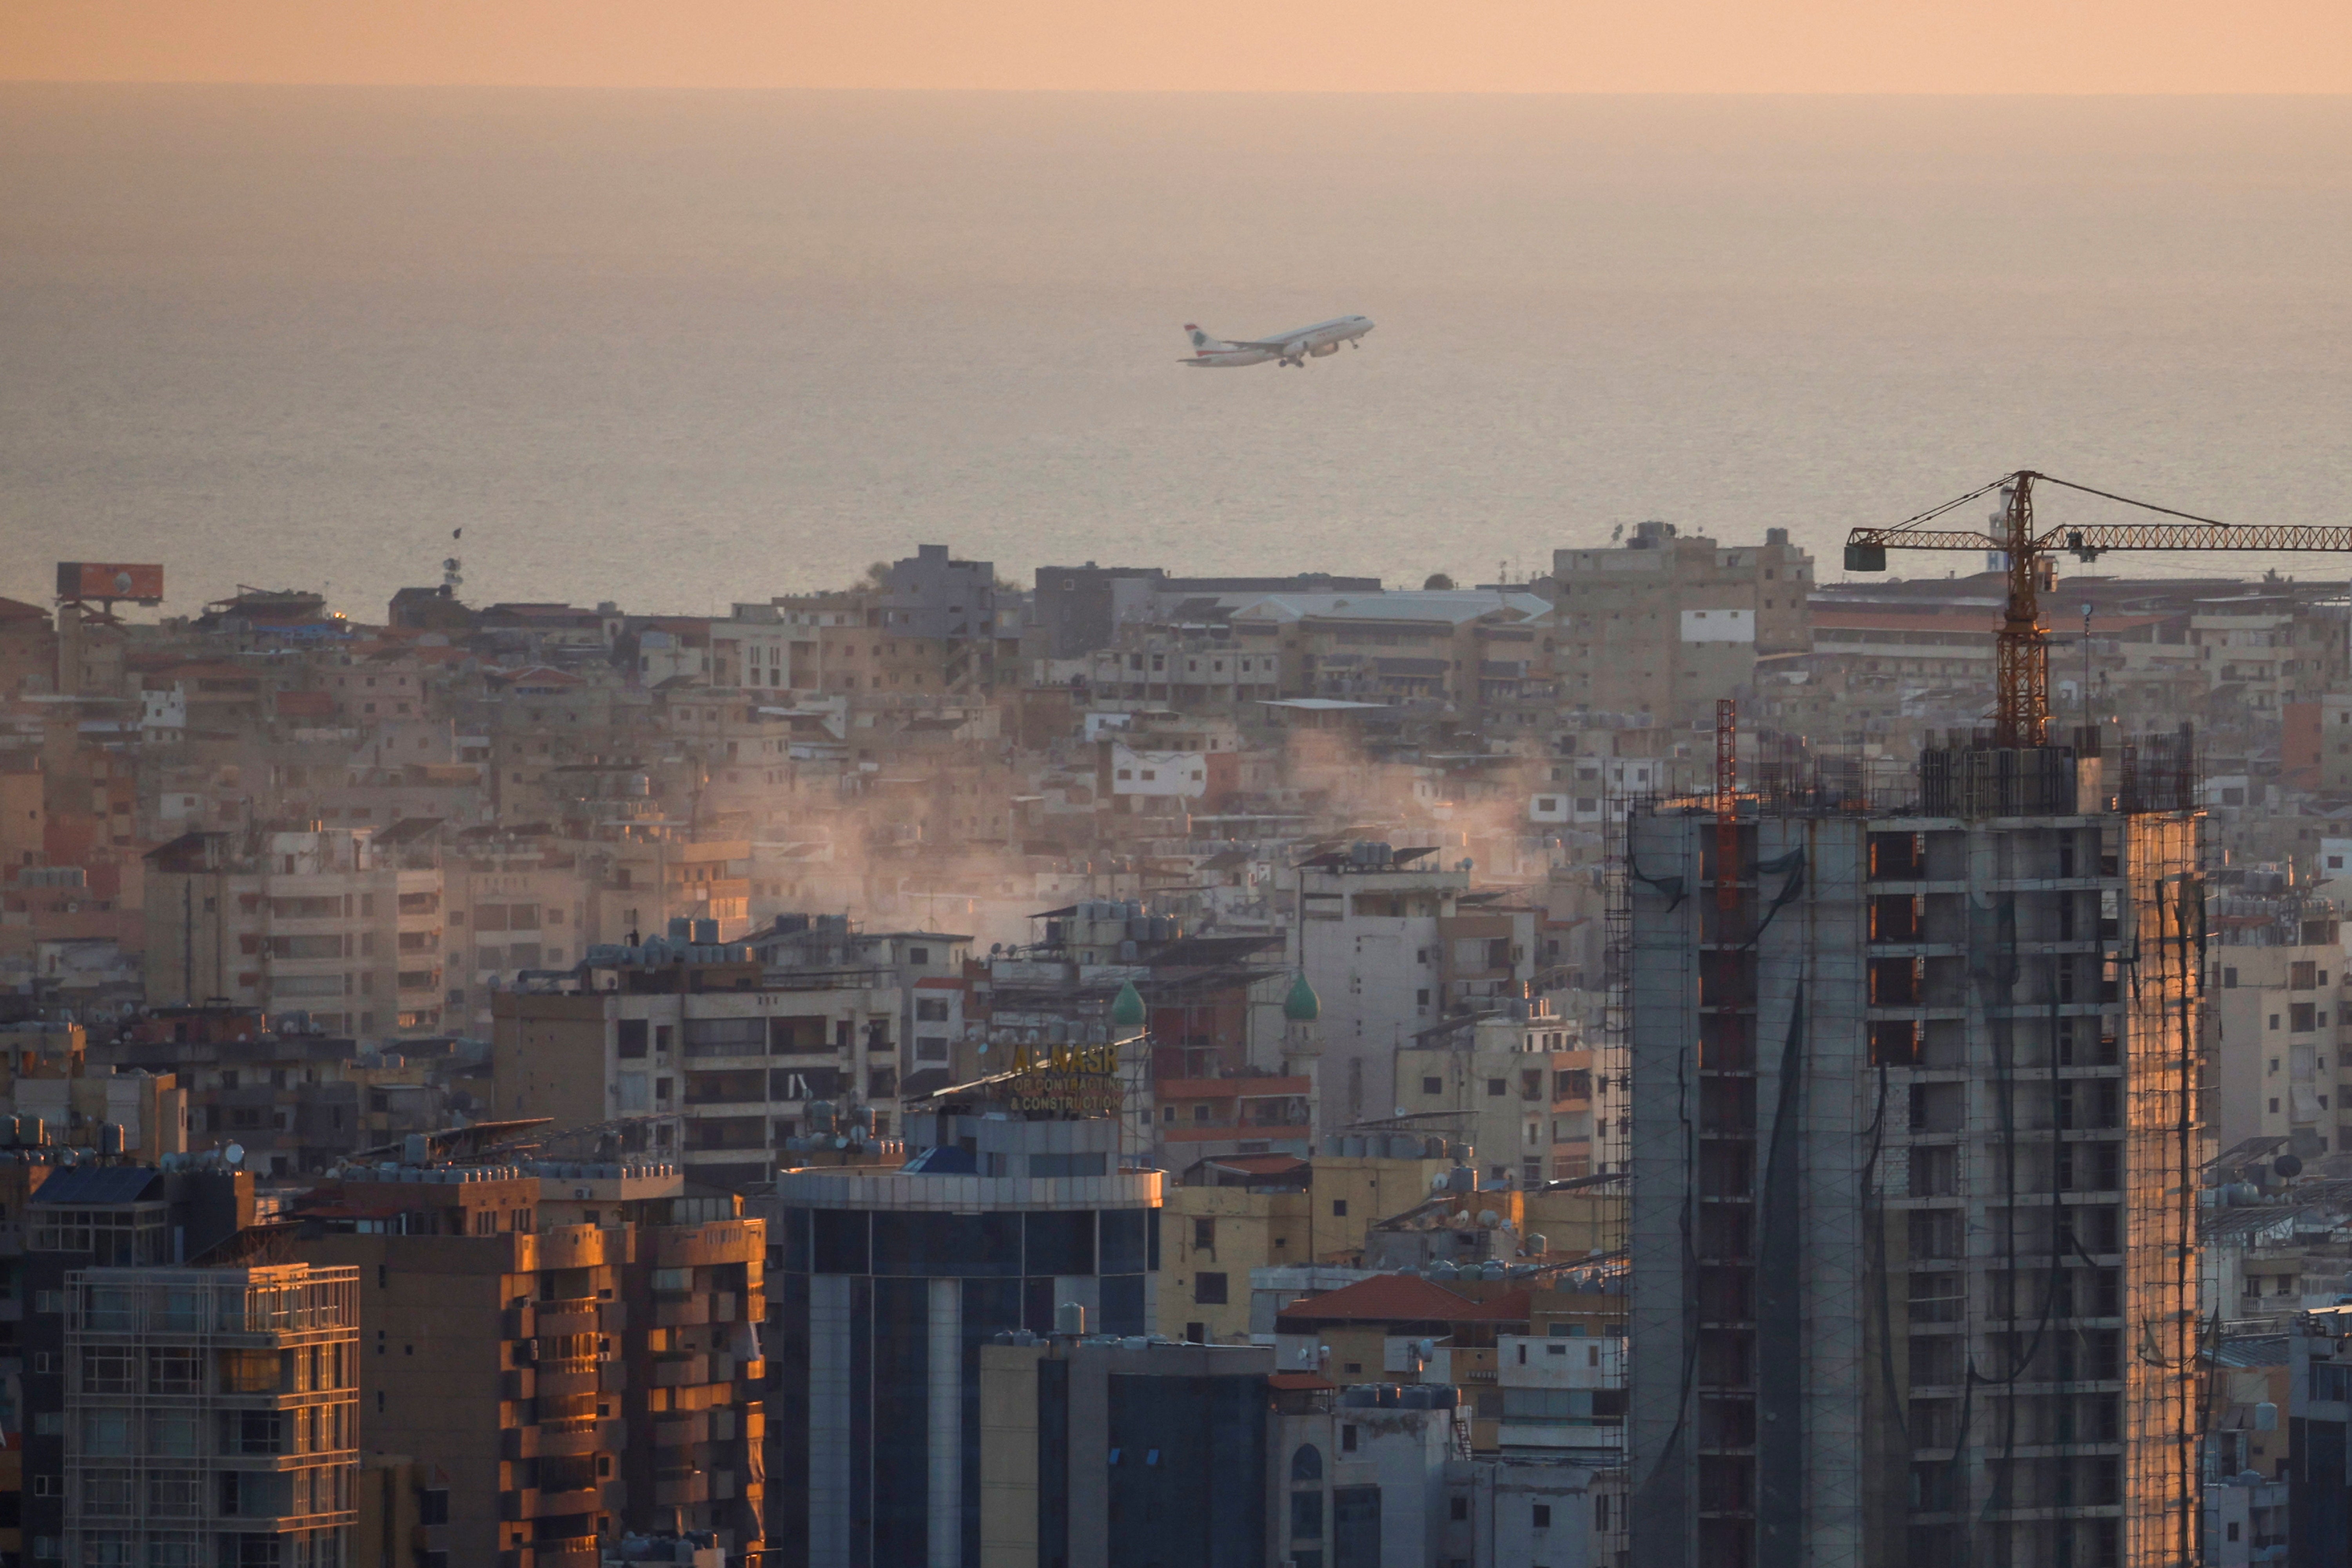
(234,1154)
(2287,1165)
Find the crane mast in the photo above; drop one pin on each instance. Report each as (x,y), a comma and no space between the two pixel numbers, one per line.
(2022,696)
(2023,650)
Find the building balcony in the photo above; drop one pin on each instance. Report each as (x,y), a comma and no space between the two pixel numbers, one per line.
(554,1384)
(566,1318)
(570,1552)
(544,1441)
(532,1503)
(682,1431)
(689,1312)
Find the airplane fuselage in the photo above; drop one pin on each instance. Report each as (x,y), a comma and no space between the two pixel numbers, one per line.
(1292,348)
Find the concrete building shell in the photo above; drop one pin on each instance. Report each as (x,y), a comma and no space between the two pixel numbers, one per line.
(1915,1148)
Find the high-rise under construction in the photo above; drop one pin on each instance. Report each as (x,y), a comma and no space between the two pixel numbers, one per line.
(1914,1152)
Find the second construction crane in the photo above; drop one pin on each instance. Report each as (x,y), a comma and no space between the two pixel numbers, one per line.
(2022,708)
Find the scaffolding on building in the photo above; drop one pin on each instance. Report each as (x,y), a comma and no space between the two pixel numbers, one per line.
(1914,1181)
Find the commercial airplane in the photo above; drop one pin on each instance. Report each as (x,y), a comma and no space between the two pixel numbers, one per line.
(1294,348)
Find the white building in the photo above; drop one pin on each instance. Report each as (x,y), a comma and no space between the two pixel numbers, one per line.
(1394,943)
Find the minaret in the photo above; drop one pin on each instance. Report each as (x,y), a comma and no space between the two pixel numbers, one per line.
(1302,1043)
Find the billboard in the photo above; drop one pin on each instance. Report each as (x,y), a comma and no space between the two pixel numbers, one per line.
(109,580)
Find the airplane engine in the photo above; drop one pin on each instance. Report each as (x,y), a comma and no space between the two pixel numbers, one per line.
(1295,352)
(1319,350)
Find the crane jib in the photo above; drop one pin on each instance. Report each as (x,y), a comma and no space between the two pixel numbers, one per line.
(1866,547)
(2023,650)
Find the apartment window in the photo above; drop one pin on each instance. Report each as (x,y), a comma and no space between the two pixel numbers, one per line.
(1346,1440)
(1209,1289)
(1542,1516)
(1338,1208)
(1496,1086)
(1432,1086)
(1458,1508)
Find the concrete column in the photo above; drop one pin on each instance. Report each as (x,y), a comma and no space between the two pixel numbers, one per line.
(829,1397)
(947,1423)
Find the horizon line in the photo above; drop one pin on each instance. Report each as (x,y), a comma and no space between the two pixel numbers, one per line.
(842,90)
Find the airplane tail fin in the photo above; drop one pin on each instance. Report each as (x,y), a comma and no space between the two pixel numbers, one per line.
(1203,343)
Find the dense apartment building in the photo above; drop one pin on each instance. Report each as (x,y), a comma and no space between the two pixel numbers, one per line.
(1510,1085)
(572,1350)
(1460,651)
(2275,989)
(1914,1155)
(1668,622)
(212,1416)
(1078,609)
(342,924)
(59,1095)
(70,1222)
(927,626)
(721,1062)
(1394,942)
(513,903)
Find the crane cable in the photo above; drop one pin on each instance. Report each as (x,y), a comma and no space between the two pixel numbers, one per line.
(2127,500)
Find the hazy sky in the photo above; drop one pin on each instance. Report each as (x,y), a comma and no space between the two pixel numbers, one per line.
(1409,45)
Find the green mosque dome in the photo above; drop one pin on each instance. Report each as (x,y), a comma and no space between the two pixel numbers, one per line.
(1302,1005)
(1126,1011)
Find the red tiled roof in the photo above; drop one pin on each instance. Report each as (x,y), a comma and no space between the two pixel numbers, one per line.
(1407,1299)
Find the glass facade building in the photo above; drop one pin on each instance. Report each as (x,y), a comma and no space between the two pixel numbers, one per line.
(883,1287)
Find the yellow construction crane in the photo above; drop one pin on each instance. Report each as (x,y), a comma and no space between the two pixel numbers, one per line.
(2023,714)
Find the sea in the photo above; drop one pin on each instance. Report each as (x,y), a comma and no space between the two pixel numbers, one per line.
(681,350)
